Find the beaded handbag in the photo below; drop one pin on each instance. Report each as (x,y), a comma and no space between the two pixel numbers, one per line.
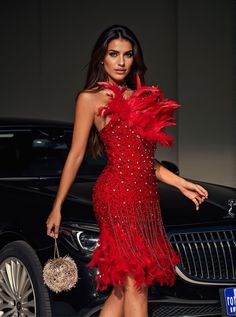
(60,273)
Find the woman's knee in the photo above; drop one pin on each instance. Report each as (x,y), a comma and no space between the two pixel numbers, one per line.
(130,286)
(118,292)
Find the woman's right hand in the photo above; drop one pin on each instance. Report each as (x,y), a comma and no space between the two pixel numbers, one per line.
(53,223)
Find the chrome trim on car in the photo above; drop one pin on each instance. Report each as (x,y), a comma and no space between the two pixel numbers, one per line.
(232,204)
(207,257)
(190,280)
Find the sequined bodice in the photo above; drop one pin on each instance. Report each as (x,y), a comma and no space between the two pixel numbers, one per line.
(129,173)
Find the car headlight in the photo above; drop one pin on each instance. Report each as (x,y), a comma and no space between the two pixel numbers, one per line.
(87,240)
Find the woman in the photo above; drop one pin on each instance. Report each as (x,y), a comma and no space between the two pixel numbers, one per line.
(117,111)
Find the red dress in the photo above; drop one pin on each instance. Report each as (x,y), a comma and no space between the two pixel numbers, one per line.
(125,196)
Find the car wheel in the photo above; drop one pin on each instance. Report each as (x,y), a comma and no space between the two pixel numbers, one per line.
(22,291)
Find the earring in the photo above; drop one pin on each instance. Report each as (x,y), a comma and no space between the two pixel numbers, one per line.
(101,63)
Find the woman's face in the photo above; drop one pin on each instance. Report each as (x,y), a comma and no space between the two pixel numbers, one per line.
(118,60)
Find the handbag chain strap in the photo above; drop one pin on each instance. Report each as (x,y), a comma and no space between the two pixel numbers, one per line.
(56,250)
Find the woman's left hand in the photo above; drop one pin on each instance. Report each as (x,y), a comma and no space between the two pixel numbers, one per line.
(194,192)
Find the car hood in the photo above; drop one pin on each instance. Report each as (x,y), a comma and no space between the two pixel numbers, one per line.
(179,210)
(176,208)
(79,192)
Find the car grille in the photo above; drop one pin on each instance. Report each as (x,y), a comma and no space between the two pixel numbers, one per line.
(208,255)
(158,309)
(178,310)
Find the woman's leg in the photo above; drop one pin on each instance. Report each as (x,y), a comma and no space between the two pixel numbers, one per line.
(114,305)
(136,300)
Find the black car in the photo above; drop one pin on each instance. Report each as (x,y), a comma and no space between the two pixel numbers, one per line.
(32,155)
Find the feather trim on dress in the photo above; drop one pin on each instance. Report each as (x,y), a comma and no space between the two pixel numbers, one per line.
(146,110)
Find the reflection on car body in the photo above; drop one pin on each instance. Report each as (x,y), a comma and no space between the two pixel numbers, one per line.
(32,156)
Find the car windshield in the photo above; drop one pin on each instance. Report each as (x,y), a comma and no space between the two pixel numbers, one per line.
(40,152)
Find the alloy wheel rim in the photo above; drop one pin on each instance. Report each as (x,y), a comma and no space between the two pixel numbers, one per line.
(17,295)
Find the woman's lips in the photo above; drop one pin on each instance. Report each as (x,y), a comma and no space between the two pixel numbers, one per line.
(120,71)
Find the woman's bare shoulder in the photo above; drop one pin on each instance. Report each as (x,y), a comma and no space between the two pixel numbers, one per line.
(94,96)
(87,96)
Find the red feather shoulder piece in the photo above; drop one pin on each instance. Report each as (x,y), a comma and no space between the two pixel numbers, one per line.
(146,110)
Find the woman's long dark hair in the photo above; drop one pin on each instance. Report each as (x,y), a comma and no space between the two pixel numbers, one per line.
(96,70)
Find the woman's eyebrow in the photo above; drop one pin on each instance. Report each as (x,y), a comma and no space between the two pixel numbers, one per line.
(111,50)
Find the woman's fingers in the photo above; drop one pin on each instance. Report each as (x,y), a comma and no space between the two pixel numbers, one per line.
(195,192)
(198,199)
(197,188)
(53,231)
(201,190)
(196,202)
(56,231)
(52,228)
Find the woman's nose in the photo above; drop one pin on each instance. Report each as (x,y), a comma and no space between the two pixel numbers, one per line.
(121,61)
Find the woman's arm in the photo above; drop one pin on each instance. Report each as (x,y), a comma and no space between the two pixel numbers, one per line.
(193,191)
(83,120)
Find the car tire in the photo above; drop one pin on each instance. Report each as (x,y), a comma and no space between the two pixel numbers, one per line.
(22,291)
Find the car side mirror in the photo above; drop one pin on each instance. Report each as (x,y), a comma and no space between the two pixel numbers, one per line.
(46,144)
(41,144)
(170,166)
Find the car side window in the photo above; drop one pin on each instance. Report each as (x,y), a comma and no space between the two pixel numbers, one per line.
(40,152)
(9,155)
(47,153)
(32,153)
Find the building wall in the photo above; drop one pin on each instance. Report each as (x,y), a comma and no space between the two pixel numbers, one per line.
(206,137)
(45,47)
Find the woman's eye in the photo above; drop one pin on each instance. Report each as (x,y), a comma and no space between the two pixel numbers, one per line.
(130,54)
(113,54)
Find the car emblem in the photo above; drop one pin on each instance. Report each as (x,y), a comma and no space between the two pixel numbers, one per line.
(232,204)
